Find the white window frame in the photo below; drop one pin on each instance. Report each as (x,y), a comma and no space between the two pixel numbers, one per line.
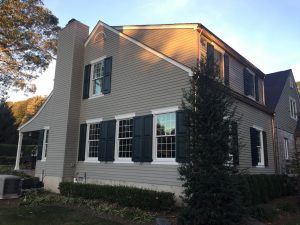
(118,118)
(156,112)
(87,147)
(45,142)
(218,49)
(253,97)
(286,148)
(293,108)
(261,151)
(93,62)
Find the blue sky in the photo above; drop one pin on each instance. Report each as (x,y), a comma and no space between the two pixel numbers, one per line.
(266,32)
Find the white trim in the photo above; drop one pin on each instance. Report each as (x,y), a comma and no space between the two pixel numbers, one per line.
(97,60)
(165,110)
(286,148)
(91,160)
(46,127)
(166,58)
(125,116)
(96,96)
(38,112)
(167,161)
(46,132)
(262,150)
(152,27)
(96,120)
(258,128)
(292,100)
(118,118)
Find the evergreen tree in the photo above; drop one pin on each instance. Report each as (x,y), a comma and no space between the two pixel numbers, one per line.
(8,129)
(209,177)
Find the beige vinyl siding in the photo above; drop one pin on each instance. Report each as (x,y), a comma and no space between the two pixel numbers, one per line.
(249,116)
(179,44)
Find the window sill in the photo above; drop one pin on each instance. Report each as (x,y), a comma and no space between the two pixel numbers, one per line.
(43,160)
(164,163)
(123,162)
(91,161)
(260,166)
(95,96)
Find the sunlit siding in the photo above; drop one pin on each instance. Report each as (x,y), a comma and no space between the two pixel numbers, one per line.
(179,44)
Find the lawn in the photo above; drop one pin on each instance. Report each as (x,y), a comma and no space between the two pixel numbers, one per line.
(49,215)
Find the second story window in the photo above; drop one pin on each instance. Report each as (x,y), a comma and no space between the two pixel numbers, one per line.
(251,84)
(219,61)
(97,77)
(293,108)
(291,82)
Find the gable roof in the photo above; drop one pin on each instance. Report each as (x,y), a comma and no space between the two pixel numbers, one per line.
(274,84)
(147,48)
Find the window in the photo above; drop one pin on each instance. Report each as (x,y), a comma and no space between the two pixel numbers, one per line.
(97,77)
(45,143)
(219,60)
(258,147)
(249,83)
(92,141)
(293,108)
(286,148)
(165,134)
(124,139)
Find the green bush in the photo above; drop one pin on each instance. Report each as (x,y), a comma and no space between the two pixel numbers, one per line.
(124,196)
(263,214)
(11,150)
(262,188)
(7,160)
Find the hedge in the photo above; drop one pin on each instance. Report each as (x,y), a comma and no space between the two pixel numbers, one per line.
(11,149)
(7,160)
(124,196)
(256,189)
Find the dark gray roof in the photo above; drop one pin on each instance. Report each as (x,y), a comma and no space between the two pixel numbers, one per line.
(274,84)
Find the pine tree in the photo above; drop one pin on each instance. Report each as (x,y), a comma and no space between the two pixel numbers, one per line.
(209,178)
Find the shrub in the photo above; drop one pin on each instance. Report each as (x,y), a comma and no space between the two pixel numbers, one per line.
(263,214)
(124,196)
(11,149)
(262,188)
(7,160)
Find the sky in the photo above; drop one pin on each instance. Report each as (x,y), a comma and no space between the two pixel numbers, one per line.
(266,32)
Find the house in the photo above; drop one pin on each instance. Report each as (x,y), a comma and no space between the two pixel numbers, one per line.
(282,98)
(114,117)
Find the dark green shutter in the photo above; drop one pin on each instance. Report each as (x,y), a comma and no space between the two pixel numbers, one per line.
(142,139)
(265,148)
(86,81)
(226,69)
(235,142)
(106,151)
(82,141)
(40,144)
(256,89)
(182,139)
(106,84)
(210,56)
(254,143)
(247,80)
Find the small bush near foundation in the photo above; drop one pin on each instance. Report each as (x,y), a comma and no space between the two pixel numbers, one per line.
(263,214)
(124,196)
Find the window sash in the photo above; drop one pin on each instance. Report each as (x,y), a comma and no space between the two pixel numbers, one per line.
(165,151)
(121,148)
(293,108)
(286,148)
(45,144)
(92,141)
(97,77)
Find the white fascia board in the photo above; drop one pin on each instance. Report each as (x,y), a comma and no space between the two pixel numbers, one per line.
(157,27)
(38,112)
(162,56)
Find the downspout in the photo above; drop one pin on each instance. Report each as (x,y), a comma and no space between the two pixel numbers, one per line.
(275,145)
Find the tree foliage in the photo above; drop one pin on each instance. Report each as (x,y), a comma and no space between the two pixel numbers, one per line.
(25,110)
(210,188)
(28,42)
(8,129)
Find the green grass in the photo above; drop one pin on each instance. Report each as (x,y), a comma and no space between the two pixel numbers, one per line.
(49,215)
(9,170)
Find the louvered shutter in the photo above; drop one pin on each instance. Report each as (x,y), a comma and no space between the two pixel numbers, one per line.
(226,69)
(247,82)
(210,57)
(82,142)
(265,148)
(235,142)
(256,89)
(182,139)
(106,84)
(86,81)
(254,143)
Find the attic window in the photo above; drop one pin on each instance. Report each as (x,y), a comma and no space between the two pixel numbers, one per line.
(100,36)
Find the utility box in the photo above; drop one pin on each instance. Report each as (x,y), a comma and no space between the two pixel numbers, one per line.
(10,186)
